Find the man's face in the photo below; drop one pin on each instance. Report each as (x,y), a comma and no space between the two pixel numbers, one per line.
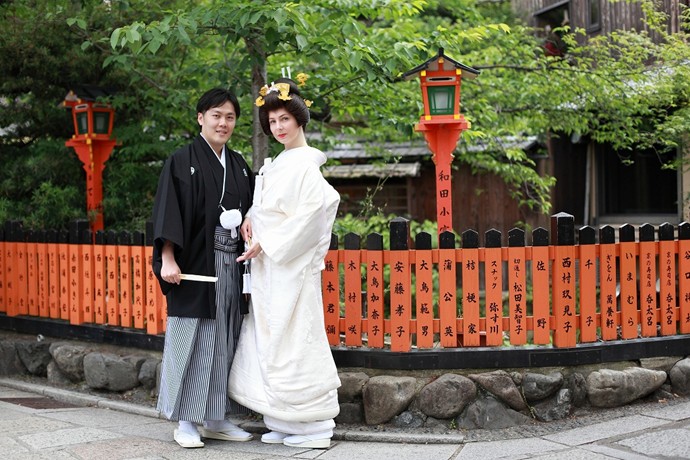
(217,124)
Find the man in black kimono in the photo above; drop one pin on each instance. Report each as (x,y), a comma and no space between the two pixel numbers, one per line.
(198,183)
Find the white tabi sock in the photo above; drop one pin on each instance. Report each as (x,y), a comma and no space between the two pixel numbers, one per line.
(188,427)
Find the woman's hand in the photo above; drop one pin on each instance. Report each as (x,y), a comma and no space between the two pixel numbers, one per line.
(253,251)
(246,229)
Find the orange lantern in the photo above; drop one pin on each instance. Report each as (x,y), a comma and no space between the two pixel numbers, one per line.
(93,127)
(440,79)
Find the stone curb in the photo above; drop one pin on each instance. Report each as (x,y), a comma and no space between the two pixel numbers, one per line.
(80,399)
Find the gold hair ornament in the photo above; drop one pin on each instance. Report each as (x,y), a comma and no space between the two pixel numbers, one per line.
(283,90)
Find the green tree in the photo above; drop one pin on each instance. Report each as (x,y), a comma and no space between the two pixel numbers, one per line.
(624,89)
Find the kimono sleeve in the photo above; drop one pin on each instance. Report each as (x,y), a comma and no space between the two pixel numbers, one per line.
(167,217)
(299,233)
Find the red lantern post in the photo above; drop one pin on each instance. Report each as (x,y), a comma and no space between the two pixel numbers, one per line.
(93,126)
(442,123)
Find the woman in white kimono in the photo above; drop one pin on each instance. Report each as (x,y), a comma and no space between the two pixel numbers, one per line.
(283,367)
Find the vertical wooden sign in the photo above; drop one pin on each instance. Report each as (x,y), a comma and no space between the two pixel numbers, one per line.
(400,285)
(124,255)
(647,269)
(493,280)
(99,275)
(375,284)
(628,282)
(564,284)
(517,286)
(112,277)
(447,288)
(684,277)
(610,319)
(588,285)
(331,294)
(668,316)
(424,288)
(352,264)
(471,331)
(541,287)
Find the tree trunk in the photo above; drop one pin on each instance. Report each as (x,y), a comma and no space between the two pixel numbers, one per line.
(259,75)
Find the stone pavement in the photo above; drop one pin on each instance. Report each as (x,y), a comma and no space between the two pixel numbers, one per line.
(42,422)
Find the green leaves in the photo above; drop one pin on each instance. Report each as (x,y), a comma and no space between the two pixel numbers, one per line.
(354,51)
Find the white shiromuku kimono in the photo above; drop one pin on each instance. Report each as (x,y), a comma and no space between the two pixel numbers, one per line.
(283,367)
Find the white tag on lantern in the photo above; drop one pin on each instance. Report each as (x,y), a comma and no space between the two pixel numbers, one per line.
(247,283)
(247,276)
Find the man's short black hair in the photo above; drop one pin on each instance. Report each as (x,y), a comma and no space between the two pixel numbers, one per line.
(215,98)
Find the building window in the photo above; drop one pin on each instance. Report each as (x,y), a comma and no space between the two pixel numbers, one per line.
(551,20)
(593,15)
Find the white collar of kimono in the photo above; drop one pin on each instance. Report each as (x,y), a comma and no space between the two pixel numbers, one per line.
(222,152)
(222,162)
(305,153)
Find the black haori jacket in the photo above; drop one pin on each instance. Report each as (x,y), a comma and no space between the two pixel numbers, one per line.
(186,212)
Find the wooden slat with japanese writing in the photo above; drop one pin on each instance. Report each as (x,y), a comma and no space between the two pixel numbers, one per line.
(648,293)
(75,284)
(564,288)
(541,287)
(11,277)
(138,281)
(471,333)
(400,285)
(31,277)
(124,255)
(99,281)
(64,268)
(588,285)
(21,270)
(375,287)
(53,260)
(401,300)
(447,287)
(112,301)
(667,280)
(331,294)
(154,297)
(628,282)
(684,277)
(3,273)
(353,290)
(42,264)
(493,281)
(608,274)
(564,280)
(87,256)
(424,284)
(517,287)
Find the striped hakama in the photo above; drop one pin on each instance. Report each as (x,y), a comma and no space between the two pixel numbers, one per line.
(198,352)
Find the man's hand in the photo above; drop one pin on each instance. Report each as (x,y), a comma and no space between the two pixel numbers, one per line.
(170,271)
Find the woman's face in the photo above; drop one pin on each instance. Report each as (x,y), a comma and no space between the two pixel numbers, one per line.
(284,127)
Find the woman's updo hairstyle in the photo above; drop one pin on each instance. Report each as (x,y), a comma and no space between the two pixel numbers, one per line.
(272,101)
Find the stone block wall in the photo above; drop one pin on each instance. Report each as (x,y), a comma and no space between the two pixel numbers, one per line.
(486,399)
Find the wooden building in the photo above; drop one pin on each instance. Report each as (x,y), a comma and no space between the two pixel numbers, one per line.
(595,16)
(594,184)
(400,179)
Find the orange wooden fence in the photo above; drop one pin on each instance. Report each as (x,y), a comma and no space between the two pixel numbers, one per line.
(408,296)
